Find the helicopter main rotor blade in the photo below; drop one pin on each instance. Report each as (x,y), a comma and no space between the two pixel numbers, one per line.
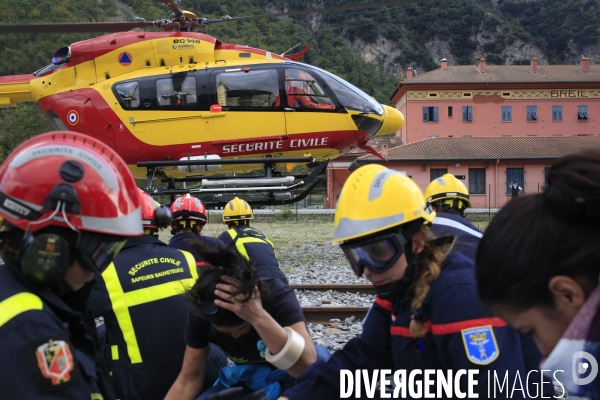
(348,7)
(75,27)
(171,4)
(90,27)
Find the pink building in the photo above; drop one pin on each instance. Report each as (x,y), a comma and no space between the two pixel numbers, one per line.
(487,165)
(500,100)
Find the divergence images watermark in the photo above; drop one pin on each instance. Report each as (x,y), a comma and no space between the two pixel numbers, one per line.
(462,383)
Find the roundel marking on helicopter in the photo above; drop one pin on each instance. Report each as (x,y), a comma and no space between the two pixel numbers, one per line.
(125,59)
(73,117)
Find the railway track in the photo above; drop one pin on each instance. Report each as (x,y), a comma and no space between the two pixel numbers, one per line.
(358,288)
(324,314)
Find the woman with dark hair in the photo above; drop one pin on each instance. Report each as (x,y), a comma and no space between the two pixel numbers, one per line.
(538,265)
(258,323)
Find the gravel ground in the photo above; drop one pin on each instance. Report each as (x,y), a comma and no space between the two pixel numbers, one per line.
(324,263)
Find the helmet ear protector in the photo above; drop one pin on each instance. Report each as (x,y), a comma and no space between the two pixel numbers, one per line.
(46,255)
(45,258)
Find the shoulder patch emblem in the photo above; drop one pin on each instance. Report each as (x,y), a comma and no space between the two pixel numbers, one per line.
(55,360)
(56,366)
(480,344)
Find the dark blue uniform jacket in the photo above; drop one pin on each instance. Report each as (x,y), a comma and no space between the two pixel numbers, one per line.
(183,241)
(466,234)
(256,247)
(460,335)
(48,346)
(145,314)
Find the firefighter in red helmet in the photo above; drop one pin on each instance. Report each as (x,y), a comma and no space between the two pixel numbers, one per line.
(140,297)
(57,231)
(189,217)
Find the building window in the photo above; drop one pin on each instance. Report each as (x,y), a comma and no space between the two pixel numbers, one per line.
(514,174)
(556,113)
(506,113)
(450,112)
(467,114)
(531,113)
(430,114)
(435,173)
(582,113)
(477,180)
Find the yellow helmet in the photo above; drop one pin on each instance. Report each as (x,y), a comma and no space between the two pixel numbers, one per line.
(448,190)
(374,199)
(236,210)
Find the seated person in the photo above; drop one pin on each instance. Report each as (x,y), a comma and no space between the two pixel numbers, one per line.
(300,95)
(258,323)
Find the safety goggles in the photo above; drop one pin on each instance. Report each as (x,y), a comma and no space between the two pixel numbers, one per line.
(376,253)
(208,307)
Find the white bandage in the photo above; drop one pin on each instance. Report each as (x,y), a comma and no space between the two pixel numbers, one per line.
(291,352)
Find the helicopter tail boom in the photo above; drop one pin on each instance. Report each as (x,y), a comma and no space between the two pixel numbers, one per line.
(15,89)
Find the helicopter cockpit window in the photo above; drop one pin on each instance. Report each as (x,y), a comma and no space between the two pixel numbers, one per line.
(349,95)
(304,91)
(243,90)
(129,94)
(176,92)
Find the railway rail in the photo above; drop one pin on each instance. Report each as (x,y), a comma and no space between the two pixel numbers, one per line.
(325,313)
(351,288)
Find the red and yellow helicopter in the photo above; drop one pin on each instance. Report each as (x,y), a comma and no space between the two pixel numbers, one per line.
(183,106)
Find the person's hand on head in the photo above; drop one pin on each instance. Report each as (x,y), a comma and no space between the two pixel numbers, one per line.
(250,311)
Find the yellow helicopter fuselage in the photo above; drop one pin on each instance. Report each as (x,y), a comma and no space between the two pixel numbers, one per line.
(187,96)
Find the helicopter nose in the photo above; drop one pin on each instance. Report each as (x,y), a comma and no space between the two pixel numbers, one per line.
(393,121)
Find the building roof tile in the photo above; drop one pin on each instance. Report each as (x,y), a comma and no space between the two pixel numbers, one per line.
(506,74)
(489,148)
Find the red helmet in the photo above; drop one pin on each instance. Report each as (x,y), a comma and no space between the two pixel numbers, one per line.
(154,215)
(69,180)
(189,207)
(79,193)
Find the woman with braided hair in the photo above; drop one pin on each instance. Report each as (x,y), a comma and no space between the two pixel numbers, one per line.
(426,315)
(538,267)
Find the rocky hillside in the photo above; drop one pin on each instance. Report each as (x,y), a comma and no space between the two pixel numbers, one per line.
(371,48)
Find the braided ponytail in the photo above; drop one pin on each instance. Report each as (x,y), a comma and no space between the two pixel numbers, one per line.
(428,270)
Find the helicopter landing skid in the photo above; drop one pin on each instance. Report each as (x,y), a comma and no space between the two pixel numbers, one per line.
(266,190)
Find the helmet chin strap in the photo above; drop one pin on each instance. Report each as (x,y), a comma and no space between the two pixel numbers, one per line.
(399,288)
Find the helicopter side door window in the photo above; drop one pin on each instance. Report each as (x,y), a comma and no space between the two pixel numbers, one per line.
(129,94)
(304,91)
(176,92)
(248,89)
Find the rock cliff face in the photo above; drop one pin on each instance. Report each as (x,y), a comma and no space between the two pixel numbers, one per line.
(504,32)
(383,51)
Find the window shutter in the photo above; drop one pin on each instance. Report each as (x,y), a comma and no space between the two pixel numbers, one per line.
(425,114)
(435,114)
